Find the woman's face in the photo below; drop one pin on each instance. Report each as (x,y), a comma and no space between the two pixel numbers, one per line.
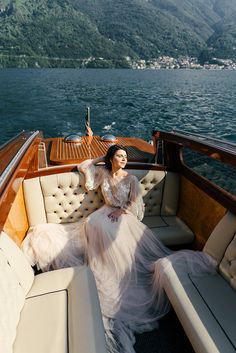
(119,159)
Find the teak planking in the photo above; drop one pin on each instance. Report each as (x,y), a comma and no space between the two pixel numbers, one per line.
(63,152)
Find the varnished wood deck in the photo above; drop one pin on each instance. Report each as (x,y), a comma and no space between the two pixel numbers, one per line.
(63,152)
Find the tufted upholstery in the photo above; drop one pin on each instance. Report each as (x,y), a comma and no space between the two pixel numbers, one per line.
(62,198)
(59,198)
(160,191)
(152,185)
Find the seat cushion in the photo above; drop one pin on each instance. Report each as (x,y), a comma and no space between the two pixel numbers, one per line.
(200,303)
(61,314)
(220,298)
(170,230)
(43,324)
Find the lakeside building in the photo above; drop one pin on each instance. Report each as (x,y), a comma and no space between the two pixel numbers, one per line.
(162,62)
(168,62)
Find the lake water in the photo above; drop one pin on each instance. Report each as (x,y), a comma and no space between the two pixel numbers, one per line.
(123,102)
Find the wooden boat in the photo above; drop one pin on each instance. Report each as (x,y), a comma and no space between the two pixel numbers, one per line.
(189,187)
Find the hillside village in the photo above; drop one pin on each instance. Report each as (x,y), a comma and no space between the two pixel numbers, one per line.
(162,62)
(168,62)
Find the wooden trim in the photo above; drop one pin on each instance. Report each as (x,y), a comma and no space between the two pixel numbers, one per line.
(12,153)
(14,182)
(221,151)
(173,145)
(73,168)
(17,224)
(10,148)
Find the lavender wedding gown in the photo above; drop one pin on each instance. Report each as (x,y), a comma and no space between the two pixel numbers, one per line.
(121,254)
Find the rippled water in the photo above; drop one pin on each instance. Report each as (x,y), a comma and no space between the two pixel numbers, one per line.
(124,102)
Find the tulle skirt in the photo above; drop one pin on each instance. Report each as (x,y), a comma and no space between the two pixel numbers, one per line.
(123,256)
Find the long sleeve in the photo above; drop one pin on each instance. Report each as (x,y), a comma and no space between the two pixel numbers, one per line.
(92,174)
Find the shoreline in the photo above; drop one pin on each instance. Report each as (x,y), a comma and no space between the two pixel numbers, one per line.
(160,63)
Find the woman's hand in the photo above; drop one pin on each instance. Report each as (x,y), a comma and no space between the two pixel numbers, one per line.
(114,215)
(89,131)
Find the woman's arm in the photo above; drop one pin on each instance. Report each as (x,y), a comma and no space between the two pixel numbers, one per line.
(93,174)
(98,160)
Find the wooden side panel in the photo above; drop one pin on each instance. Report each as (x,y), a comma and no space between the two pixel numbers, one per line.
(199,211)
(16,224)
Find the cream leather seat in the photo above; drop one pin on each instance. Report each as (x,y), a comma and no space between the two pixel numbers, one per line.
(56,311)
(206,305)
(160,191)
(61,198)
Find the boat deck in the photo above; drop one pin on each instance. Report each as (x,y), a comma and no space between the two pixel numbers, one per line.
(62,152)
(169,338)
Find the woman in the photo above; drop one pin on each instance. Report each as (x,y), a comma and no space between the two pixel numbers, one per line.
(120,250)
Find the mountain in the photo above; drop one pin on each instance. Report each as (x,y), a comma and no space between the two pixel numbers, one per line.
(106,33)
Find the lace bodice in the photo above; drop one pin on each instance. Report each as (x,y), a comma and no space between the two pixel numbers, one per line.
(121,192)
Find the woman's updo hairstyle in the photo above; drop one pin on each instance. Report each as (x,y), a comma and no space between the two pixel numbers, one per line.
(110,154)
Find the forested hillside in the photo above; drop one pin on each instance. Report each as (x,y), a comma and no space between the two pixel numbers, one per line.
(112,33)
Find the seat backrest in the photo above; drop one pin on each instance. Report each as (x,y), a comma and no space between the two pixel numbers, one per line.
(160,191)
(221,245)
(221,237)
(16,278)
(227,265)
(61,198)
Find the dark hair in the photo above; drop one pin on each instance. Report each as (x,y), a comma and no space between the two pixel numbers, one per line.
(110,154)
